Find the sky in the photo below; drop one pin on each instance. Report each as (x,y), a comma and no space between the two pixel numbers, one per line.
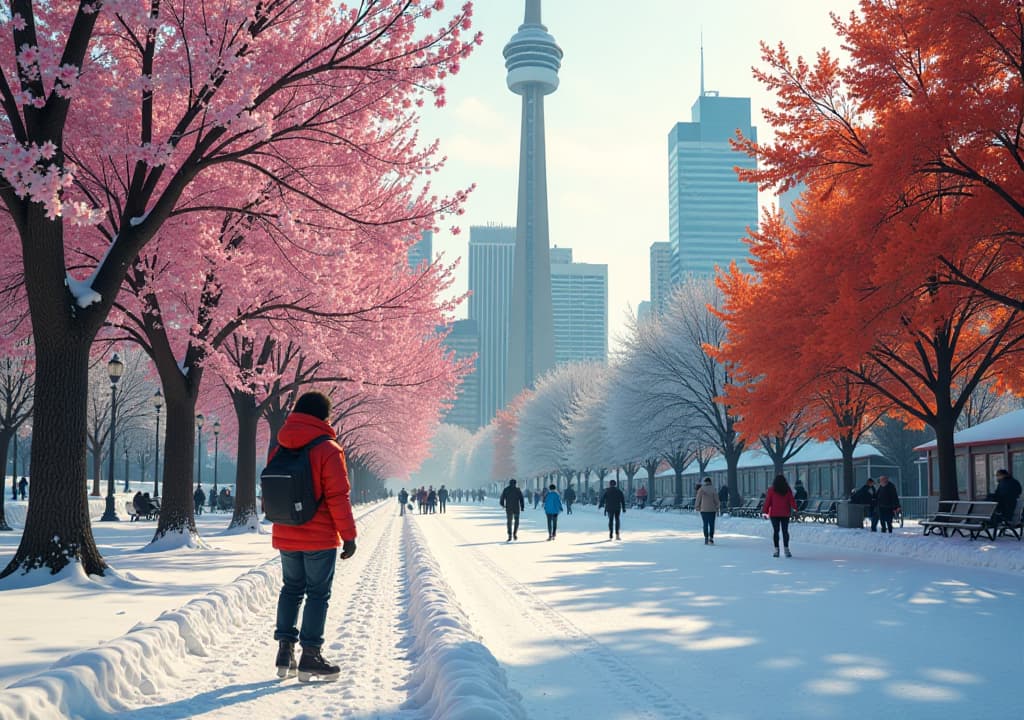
(625,81)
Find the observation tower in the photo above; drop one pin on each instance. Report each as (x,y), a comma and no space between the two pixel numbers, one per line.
(532,59)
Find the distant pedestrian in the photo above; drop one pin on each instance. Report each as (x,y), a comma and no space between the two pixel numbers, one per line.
(888,502)
(641,497)
(723,498)
(614,503)
(707,504)
(867,495)
(513,501)
(199,498)
(23,488)
(799,492)
(570,498)
(431,500)
(536,499)
(779,503)
(442,498)
(403,498)
(552,506)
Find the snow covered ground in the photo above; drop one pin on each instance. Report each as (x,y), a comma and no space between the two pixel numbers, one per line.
(438,617)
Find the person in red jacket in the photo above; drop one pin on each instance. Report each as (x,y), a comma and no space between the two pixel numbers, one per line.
(779,503)
(309,551)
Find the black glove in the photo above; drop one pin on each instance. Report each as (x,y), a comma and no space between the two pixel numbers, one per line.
(348,549)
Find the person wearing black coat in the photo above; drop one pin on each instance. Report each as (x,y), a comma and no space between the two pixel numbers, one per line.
(199,498)
(570,498)
(1006,493)
(723,498)
(867,495)
(403,498)
(888,502)
(513,501)
(613,502)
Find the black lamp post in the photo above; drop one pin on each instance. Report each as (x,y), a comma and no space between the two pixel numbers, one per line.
(158,402)
(199,450)
(216,452)
(126,488)
(115,369)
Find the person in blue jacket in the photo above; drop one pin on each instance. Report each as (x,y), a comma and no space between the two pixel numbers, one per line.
(552,506)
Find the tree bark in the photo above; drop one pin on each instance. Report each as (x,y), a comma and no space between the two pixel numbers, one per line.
(177,507)
(247,415)
(945,426)
(5,441)
(57,528)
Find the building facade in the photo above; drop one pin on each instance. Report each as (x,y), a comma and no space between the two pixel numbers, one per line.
(422,251)
(491,257)
(579,303)
(464,339)
(709,208)
(661,275)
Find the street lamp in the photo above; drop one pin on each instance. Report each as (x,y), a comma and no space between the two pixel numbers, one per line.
(115,369)
(216,452)
(126,488)
(199,449)
(158,402)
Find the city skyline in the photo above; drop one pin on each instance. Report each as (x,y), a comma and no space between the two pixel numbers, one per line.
(606,126)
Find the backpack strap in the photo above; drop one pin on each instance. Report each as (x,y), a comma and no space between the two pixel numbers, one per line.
(309,446)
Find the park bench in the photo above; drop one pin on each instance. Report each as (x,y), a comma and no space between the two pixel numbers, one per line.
(658,504)
(965,518)
(810,510)
(1015,525)
(751,508)
(820,510)
(133,514)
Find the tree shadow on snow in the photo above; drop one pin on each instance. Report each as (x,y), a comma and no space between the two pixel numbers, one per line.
(213,700)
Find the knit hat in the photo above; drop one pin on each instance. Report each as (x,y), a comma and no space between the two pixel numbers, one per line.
(314,403)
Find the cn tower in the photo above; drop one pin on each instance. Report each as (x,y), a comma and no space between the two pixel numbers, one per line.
(532,59)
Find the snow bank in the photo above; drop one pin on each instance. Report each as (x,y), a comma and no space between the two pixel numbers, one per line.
(456,676)
(15,510)
(119,674)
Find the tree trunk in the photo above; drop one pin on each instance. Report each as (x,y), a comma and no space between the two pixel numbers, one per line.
(732,461)
(5,441)
(57,529)
(247,415)
(846,447)
(177,507)
(945,426)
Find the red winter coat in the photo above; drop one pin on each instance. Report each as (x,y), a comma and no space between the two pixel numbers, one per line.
(776,505)
(330,481)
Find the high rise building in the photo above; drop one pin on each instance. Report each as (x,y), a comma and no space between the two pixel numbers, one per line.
(661,275)
(709,208)
(579,301)
(532,59)
(491,255)
(464,339)
(644,311)
(422,250)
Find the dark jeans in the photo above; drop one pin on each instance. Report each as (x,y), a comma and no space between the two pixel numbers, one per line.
(885,515)
(552,524)
(403,509)
(306,575)
(873,515)
(613,519)
(443,503)
(512,519)
(780,522)
(568,508)
(709,523)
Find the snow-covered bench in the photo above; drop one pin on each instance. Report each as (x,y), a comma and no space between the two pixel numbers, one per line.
(965,518)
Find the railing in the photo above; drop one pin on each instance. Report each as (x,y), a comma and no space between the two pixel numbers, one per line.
(914,507)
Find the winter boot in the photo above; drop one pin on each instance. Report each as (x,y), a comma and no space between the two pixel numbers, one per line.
(711,541)
(776,553)
(285,659)
(617,536)
(788,553)
(312,664)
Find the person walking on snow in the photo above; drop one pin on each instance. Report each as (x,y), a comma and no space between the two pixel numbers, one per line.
(779,502)
(309,551)
(442,497)
(552,506)
(403,498)
(513,501)
(723,498)
(570,498)
(888,502)
(707,504)
(613,502)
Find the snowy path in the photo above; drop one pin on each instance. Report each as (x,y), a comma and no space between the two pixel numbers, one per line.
(364,635)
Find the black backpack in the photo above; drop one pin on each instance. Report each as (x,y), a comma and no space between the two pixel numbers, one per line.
(286,484)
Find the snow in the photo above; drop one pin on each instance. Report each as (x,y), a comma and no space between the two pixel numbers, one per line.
(82,291)
(138,219)
(438,617)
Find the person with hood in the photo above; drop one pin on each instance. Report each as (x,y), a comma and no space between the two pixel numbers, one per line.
(513,501)
(309,551)
(888,502)
(779,503)
(552,506)
(614,503)
(707,504)
(403,498)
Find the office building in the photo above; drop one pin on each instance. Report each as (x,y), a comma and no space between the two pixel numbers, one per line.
(579,303)
(464,339)
(422,251)
(661,275)
(491,256)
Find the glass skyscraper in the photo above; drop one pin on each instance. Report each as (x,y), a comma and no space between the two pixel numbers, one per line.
(579,306)
(709,208)
(464,339)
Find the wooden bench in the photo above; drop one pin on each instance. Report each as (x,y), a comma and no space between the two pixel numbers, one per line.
(965,518)
(1015,525)
(658,504)
(751,508)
